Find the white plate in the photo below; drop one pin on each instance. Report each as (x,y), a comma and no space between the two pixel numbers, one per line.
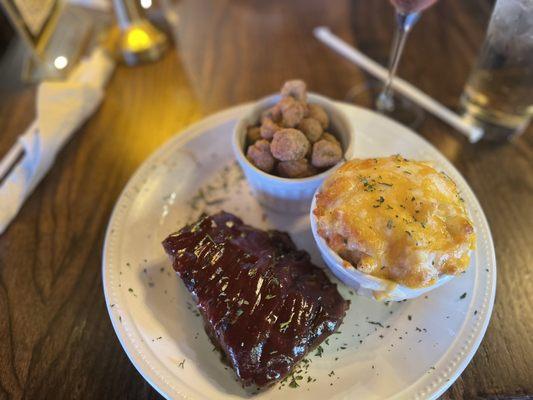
(413,349)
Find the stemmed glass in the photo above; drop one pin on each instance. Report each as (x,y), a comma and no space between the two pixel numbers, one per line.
(407,14)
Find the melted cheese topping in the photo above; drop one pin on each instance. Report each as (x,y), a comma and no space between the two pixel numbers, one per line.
(396,219)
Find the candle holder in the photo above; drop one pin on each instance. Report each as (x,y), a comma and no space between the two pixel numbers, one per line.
(138,40)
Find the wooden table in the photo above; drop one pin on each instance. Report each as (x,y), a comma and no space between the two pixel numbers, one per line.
(57,340)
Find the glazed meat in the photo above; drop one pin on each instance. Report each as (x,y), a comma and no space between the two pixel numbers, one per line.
(264,304)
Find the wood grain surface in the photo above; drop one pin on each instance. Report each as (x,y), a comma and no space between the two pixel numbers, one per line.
(56,338)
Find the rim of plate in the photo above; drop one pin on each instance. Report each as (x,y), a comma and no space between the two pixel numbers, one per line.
(431,385)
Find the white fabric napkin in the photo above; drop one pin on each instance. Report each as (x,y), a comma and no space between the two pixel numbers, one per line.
(62,107)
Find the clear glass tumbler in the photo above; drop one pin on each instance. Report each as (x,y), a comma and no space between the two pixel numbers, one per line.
(498,95)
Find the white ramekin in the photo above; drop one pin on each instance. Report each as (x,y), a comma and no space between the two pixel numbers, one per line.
(289,195)
(364,284)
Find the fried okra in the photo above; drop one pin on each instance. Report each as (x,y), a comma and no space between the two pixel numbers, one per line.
(259,155)
(289,145)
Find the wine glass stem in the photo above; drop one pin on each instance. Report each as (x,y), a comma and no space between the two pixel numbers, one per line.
(385,101)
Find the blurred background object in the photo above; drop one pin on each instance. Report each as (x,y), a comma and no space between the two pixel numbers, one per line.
(6,33)
(56,33)
(138,40)
(498,95)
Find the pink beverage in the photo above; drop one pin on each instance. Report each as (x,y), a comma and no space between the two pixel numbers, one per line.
(411,6)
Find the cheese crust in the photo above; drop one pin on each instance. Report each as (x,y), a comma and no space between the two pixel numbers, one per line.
(396,219)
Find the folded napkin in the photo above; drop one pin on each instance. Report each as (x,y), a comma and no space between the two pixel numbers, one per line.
(62,107)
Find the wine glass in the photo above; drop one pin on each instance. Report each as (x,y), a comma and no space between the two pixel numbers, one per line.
(407,14)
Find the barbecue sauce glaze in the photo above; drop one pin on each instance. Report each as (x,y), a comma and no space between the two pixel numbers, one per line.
(264,304)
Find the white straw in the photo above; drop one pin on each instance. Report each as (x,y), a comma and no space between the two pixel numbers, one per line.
(473,133)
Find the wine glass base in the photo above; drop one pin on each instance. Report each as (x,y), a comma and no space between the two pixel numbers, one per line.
(405,111)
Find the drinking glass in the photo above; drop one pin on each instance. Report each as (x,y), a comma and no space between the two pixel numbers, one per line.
(407,14)
(498,95)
